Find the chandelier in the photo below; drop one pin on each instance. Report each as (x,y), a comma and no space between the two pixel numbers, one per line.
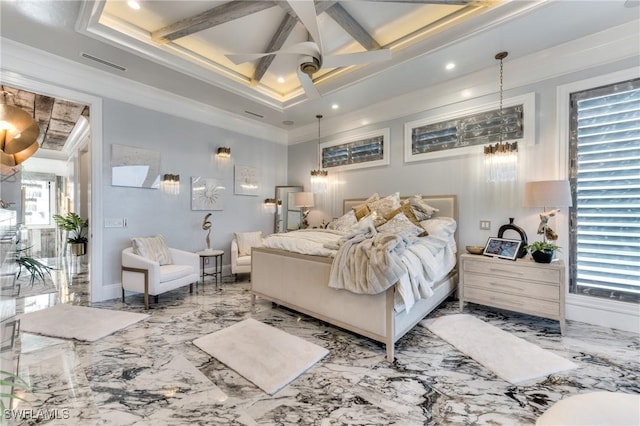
(319,177)
(501,159)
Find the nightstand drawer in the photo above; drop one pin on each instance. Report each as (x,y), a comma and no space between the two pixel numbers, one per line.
(513,270)
(512,286)
(525,305)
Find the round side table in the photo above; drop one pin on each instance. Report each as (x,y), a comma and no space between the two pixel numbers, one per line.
(217,264)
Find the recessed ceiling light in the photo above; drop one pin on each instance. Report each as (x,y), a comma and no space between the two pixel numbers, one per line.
(335,106)
(450,66)
(465,93)
(133,4)
(281,80)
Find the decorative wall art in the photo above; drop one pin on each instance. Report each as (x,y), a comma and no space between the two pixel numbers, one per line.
(467,131)
(136,167)
(247,180)
(207,193)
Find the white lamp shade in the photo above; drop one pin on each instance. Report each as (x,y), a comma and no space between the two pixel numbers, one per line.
(303,199)
(547,193)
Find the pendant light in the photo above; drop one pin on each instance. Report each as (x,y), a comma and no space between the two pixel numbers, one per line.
(319,177)
(501,159)
(18,134)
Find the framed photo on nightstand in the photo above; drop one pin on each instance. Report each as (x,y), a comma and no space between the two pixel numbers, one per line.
(502,247)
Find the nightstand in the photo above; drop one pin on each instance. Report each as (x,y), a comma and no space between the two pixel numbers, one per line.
(522,286)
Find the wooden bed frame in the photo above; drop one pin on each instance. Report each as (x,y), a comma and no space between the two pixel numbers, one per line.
(300,282)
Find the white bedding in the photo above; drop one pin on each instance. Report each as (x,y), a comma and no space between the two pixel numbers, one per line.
(424,262)
(316,242)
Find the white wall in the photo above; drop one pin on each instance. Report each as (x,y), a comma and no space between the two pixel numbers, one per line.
(463,175)
(186,148)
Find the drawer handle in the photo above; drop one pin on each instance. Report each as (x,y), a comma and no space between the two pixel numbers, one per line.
(502,271)
(507,301)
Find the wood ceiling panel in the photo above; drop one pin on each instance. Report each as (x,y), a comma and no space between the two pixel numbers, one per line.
(55,117)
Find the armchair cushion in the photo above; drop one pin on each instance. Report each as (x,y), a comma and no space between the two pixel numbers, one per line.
(152,248)
(246,240)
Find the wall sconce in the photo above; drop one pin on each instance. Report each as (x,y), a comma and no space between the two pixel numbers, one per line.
(269,205)
(304,200)
(224,152)
(170,184)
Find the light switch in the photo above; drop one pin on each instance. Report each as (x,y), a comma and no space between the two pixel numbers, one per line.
(485,225)
(114,223)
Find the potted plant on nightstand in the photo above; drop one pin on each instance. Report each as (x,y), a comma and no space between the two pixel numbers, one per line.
(76,228)
(542,251)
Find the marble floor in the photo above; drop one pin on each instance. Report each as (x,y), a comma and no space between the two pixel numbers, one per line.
(152,374)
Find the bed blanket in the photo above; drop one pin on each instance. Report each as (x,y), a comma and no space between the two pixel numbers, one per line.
(368,261)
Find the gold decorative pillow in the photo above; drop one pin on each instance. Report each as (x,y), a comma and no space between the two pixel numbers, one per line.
(401,225)
(246,240)
(408,212)
(152,248)
(362,210)
(381,208)
(421,209)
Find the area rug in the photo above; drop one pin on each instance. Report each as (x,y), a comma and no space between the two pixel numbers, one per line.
(509,357)
(266,356)
(77,322)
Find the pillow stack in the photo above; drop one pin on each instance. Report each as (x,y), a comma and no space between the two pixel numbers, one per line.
(389,214)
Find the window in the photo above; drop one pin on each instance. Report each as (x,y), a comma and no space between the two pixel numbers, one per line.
(604,149)
(364,150)
(467,131)
(38,201)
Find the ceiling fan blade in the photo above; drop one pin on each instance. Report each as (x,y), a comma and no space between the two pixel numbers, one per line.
(307,85)
(306,12)
(305,48)
(335,61)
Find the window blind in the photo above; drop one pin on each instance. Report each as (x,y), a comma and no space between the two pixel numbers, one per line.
(605,175)
(371,149)
(477,129)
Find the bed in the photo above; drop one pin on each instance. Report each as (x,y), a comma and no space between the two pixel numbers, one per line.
(277,276)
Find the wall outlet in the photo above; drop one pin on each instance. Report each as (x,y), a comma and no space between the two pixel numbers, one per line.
(485,225)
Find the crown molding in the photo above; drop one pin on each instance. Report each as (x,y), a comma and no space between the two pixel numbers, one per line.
(37,64)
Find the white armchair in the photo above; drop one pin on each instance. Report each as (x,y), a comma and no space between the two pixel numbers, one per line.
(142,275)
(241,251)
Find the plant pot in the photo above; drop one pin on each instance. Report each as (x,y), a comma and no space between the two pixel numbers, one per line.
(78,249)
(542,256)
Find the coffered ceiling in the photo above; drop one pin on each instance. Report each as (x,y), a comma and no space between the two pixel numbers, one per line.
(180,46)
(195,37)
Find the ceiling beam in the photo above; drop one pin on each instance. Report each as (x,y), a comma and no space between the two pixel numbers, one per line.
(351,26)
(277,41)
(208,19)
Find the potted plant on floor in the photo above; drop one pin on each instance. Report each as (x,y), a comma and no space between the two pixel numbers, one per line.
(76,228)
(33,266)
(542,251)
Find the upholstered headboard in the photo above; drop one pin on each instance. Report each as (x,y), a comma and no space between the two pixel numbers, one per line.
(446,204)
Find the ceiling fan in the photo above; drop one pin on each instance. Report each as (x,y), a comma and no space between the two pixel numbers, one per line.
(310,54)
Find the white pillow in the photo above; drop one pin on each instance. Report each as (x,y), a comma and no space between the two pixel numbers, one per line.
(400,225)
(246,240)
(439,226)
(152,248)
(421,209)
(344,222)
